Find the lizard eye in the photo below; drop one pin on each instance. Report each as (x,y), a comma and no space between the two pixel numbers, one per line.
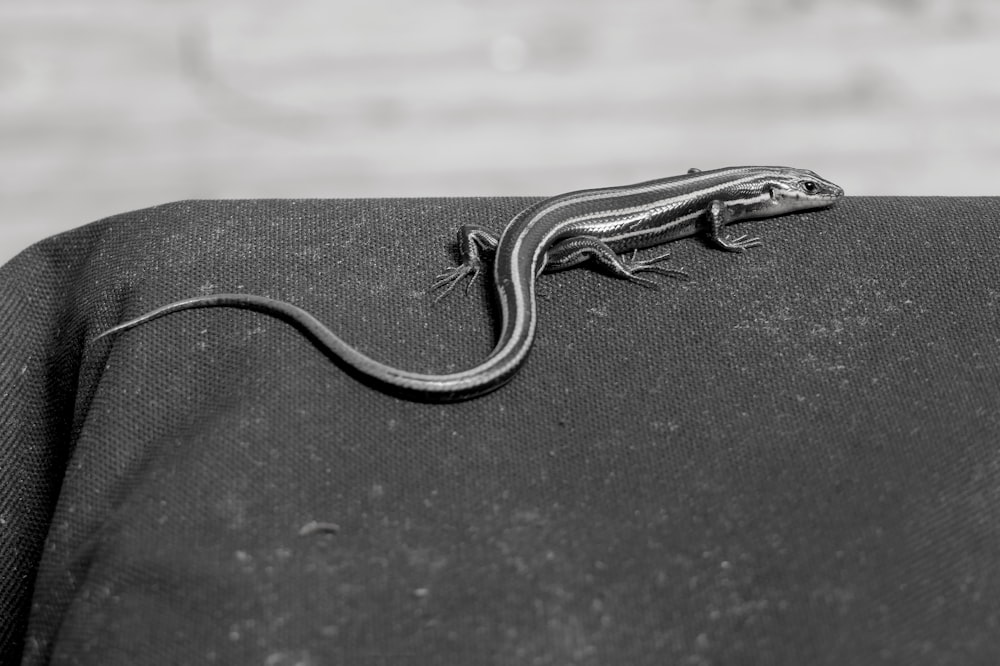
(810,187)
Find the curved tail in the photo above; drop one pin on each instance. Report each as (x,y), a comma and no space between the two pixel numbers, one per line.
(491,374)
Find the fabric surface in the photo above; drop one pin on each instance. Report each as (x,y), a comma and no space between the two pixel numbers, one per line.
(792,458)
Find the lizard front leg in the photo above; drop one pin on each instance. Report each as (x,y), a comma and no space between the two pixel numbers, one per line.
(718,218)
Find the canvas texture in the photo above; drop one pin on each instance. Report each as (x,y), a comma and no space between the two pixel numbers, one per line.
(792,458)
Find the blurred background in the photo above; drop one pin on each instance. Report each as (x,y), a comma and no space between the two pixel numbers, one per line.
(113,105)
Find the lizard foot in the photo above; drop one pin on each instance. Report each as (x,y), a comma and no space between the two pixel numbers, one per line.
(450,278)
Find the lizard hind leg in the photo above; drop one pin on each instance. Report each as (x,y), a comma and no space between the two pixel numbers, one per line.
(473,241)
(575,250)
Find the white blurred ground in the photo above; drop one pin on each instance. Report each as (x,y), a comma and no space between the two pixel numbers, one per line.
(112,105)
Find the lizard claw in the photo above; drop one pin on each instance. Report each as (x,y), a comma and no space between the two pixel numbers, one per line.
(741,243)
(450,278)
(650,266)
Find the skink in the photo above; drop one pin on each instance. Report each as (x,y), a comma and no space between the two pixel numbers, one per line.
(596,225)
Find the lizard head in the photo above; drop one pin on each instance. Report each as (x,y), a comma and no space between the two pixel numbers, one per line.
(798,189)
